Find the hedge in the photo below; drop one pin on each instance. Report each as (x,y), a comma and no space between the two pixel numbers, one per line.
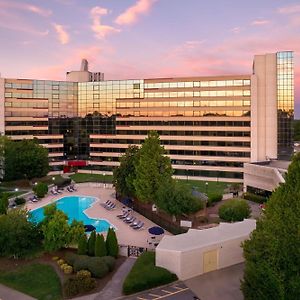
(234,210)
(78,284)
(255,198)
(40,189)
(145,275)
(62,181)
(98,267)
(20,201)
(214,198)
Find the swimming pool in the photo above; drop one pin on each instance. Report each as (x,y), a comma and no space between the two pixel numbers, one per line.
(74,207)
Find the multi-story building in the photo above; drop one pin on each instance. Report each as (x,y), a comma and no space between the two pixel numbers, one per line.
(209,126)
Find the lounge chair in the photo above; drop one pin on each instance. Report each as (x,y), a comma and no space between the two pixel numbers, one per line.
(108,204)
(53,192)
(128,219)
(131,221)
(69,189)
(136,223)
(122,214)
(140,226)
(112,206)
(105,203)
(125,216)
(74,188)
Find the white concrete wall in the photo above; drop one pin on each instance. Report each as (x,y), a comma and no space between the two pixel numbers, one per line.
(78,76)
(2,101)
(264,108)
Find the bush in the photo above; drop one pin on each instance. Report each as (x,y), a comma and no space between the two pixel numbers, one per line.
(145,275)
(62,181)
(63,266)
(55,258)
(75,285)
(100,247)
(234,210)
(83,274)
(20,201)
(70,258)
(60,262)
(112,243)
(214,198)
(91,243)
(110,262)
(68,269)
(98,267)
(41,189)
(82,245)
(81,263)
(255,198)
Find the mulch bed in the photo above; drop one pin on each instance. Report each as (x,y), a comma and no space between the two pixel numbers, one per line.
(7,264)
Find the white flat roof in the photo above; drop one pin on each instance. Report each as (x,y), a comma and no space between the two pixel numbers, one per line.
(195,238)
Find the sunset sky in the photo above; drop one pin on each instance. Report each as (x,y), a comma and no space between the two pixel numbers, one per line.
(145,38)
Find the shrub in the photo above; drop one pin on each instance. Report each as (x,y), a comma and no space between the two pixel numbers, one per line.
(112,243)
(3,203)
(62,181)
(55,258)
(110,262)
(63,266)
(255,198)
(100,247)
(214,198)
(82,245)
(97,267)
(41,189)
(81,263)
(91,243)
(145,275)
(68,270)
(20,201)
(75,285)
(60,262)
(70,258)
(83,273)
(234,210)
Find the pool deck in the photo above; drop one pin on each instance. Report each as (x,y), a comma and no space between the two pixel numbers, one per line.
(125,234)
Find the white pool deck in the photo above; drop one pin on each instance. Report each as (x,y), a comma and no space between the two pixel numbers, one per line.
(125,234)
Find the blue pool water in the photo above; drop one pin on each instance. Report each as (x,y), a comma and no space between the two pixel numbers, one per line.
(74,207)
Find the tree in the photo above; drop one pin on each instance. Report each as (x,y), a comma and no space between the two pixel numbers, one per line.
(176,199)
(76,231)
(112,246)
(49,211)
(91,243)
(25,159)
(56,232)
(296,124)
(3,203)
(272,253)
(151,169)
(18,236)
(82,245)
(125,174)
(41,189)
(100,247)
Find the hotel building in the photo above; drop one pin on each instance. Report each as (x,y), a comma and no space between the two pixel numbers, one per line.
(210,126)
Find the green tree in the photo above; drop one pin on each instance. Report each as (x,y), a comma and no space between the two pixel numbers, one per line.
(112,246)
(234,210)
(125,174)
(296,124)
(272,253)
(56,232)
(49,211)
(176,199)
(18,236)
(91,243)
(151,169)
(100,247)
(40,189)
(76,231)
(25,159)
(82,245)
(3,203)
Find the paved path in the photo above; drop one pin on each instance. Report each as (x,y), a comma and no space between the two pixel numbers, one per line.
(114,288)
(7,293)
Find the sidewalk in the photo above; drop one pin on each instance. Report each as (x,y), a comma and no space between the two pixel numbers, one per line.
(7,293)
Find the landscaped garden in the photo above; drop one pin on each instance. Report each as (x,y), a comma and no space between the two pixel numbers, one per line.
(83,177)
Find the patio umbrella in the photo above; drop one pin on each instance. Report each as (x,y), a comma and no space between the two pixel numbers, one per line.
(155,230)
(89,228)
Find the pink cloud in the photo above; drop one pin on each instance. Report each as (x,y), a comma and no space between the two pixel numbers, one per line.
(101,31)
(132,14)
(25,7)
(289,9)
(62,34)
(260,22)
(236,30)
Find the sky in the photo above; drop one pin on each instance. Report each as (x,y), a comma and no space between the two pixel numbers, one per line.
(128,39)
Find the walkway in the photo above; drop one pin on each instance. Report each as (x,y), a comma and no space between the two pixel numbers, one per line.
(7,293)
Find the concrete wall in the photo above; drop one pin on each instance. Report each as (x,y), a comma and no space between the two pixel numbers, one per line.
(78,76)
(264,108)
(262,177)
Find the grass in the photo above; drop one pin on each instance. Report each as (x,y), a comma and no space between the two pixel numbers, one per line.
(213,187)
(37,280)
(82,177)
(145,275)
(11,193)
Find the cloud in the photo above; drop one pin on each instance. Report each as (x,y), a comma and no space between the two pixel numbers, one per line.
(236,30)
(25,7)
(260,22)
(132,14)
(62,34)
(289,9)
(101,31)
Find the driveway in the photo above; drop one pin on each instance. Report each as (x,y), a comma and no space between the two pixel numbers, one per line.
(221,284)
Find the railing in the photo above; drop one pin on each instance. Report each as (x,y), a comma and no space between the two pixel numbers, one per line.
(132,251)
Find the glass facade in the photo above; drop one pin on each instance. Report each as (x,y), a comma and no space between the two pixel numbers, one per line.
(285,103)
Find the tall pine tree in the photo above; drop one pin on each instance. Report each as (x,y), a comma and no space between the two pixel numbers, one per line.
(112,246)
(91,243)
(100,247)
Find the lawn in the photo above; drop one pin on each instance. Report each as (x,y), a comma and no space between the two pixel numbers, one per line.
(37,280)
(213,187)
(82,177)
(11,193)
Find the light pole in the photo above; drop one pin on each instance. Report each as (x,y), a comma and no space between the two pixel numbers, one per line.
(206,184)
(104,180)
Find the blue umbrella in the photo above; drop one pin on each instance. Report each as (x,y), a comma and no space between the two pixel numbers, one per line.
(89,228)
(155,230)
